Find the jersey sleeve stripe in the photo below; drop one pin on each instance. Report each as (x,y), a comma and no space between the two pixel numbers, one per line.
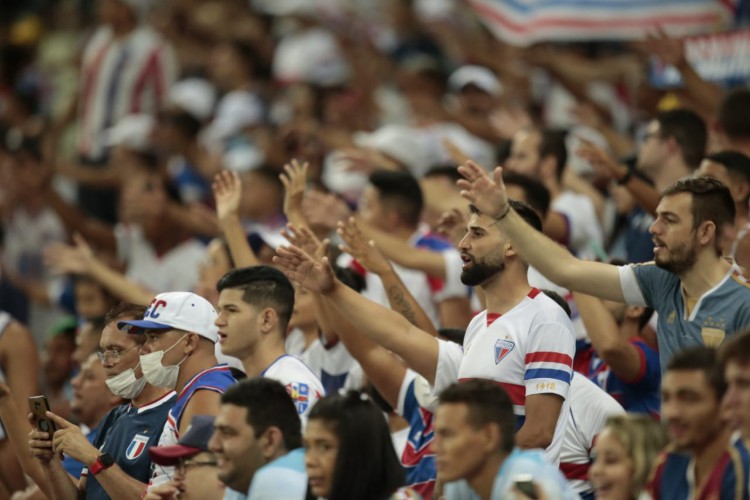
(534,373)
(517,393)
(553,357)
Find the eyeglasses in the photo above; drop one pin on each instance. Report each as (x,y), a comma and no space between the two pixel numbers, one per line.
(113,355)
(186,464)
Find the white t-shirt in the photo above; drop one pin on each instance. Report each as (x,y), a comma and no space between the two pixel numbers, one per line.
(175,271)
(528,350)
(590,407)
(301,383)
(331,364)
(583,224)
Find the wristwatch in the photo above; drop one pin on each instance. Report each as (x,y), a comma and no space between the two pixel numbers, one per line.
(103,461)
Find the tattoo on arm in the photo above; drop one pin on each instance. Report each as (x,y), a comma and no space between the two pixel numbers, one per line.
(401,305)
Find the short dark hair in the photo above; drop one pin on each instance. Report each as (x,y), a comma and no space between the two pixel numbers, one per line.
(366,466)
(123,309)
(527,213)
(537,195)
(552,143)
(689,130)
(268,405)
(262,286)
(733,117)
(399,191)
(736,349)
(711,201)
(704,359)
(488,403)
(558,300)
(736,164)
(188,125)
(455,335)
(524,210)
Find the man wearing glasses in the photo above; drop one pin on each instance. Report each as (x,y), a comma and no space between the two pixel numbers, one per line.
(195,466)
(117,463)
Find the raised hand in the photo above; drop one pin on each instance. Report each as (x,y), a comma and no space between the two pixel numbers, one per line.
(600,160)
(326,210)
(303,238)
(365,252)
(294,180)
(227,188)
(507,121)
(487,195)
(70,259)
(316,276)
(669,50)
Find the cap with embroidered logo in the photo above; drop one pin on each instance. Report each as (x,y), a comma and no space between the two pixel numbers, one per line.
(177,310)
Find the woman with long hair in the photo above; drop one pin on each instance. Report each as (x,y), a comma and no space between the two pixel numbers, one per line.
(348,451)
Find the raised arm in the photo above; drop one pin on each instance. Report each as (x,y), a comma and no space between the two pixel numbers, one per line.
(620,355)
(382,368)
(294,180)
(227,191)
(386,327)
(553,261)
(80,259)
(399,297)
(645,194)
(99,233)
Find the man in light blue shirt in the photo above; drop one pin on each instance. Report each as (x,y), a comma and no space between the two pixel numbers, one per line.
(257,441)
(475,447)
(701,297)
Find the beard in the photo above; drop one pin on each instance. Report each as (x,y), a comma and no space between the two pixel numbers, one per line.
(481,271)
(680,259)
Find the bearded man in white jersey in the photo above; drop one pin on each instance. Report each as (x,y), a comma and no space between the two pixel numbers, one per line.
(523,342)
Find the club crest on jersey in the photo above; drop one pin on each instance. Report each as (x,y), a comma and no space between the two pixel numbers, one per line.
(300,394)
(502,349)
(136,446)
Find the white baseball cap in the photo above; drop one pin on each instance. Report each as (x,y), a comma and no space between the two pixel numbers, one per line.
(177,310)
(195,96)
(479,76)
(132,132)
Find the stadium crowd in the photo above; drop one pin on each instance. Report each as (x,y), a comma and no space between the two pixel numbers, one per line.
(260,249)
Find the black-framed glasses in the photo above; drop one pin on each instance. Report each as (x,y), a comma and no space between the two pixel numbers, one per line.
(113,355)
(185,464)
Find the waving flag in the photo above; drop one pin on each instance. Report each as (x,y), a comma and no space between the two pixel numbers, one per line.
(524,22)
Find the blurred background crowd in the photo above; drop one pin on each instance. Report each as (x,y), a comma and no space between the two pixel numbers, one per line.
(117,116)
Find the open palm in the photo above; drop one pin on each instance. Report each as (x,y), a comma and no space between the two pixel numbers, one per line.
(227,189)
(486,194)
(316,276)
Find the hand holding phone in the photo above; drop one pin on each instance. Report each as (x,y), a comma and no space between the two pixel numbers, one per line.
(39,407)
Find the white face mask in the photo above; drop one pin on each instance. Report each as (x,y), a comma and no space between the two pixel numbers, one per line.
(125,384)
(157,374)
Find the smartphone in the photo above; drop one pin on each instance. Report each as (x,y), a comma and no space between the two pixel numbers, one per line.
(39,406)
(525,484)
